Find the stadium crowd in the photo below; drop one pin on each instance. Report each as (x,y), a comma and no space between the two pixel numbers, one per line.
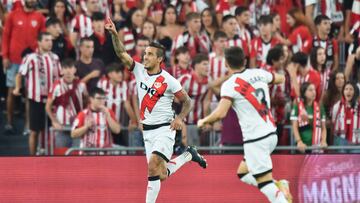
(62,56)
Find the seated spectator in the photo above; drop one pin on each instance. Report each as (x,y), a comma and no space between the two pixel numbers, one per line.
(66,98)
(308,119)
(95,123)
(103,46)
(89,69)
(182,61)
(345,117)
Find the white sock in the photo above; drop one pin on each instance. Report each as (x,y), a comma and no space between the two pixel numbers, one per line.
(153,189)
(248,179)
(272,192)
(174,164)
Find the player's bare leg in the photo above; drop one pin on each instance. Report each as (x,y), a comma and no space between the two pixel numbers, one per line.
(244,175)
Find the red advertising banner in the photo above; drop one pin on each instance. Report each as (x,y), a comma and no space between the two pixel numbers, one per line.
(313,179)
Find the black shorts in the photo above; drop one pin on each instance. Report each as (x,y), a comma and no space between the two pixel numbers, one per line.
(37,115)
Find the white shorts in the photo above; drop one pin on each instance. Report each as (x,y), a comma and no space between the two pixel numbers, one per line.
(161,141)
(257,155)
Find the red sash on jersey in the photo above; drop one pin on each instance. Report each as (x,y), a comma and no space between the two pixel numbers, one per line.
(246,90)
(149,102)
(316,135)
(64,99)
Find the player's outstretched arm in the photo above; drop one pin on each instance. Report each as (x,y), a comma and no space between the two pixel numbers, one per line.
(118,45)
(219,113)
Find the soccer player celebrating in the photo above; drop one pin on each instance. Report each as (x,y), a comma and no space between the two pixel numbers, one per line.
(247,92)
(156,90)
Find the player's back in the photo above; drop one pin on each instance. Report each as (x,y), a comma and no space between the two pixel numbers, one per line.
(249,93)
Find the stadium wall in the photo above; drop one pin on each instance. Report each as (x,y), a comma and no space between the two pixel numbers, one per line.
(313,178)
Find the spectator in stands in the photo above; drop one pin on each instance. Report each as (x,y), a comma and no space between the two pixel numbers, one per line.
(352,70)
(89,69)
(81,25)
(40,69)
(322,39)
(61,44)
(196,85)
(66,98)
(242,15)
(148,29)
(209,24)
(261,45)
(308,119)
(61,10)
(103,47)
(226,7)
(304,73)
(95,124)
(346,117)
(300,38)
(130,29)
(184,7)
(193,39)
(230,27)
(317,61)
(116,90)
(154,10)
(182,62)
(277,24)
(141,43)
(170,27)
(21,29)
(217,57)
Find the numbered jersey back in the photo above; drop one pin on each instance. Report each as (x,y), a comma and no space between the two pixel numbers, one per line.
(249,92)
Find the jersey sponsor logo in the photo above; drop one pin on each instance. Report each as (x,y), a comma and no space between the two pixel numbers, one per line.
(256,97)
(152,95)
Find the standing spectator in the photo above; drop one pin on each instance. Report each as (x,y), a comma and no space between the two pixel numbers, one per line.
(260,46)
(209,24)
(63,11)
(103,48)
(346,117)
(89,69)
(182,62)
(300,37)
(81,25)
(95,123)
(170,27)
(14,42)
(230,27)
(317,61)
(130,29)
(154,10)
(116,91)
(40,69)
(196,85)
(217,57)
(61,43)
(192,38)
(322,39)
(148,29)
(226,7)
(242,15)
(67,97)
(141,43)
(352,70)
(308,119)
(184,7)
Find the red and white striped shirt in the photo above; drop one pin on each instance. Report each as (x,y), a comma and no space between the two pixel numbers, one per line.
(177,71)
(197,91)
(355,16)
(217,66)
(198,44)
(116,95)
(245,37)
(65,105)
(259,49)
(40,70)
(99,135)
(129,39)
(82,24)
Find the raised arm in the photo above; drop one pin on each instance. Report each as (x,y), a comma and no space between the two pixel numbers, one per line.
(118,45)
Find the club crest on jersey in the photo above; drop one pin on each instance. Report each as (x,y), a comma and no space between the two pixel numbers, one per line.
(157,85)
(34,23)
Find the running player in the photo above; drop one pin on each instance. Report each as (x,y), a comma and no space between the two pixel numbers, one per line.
(156,91)
(247,92)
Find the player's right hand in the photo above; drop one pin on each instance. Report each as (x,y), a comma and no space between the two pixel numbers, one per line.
(110,26)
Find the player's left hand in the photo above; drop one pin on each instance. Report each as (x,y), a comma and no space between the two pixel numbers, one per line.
(176,124)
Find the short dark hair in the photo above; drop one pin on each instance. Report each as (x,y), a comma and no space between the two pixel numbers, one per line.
(199,58)
(219,34)
(240,10)
(265,19)
(235,57)
(96,90)
(143,38)
(97,16)
(67,63)
(300,58)
(180,50)
(85,39)
(114,67)
(160,52)
(192,15)
(52,21)
(41,35)
(274,54)
(227,17)
(318,19)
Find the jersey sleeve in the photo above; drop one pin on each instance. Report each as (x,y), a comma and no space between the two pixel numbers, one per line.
(79,121)
(25,65)
(54,91)
(112,115)
(124,91)
(269,76)
(174,85)
(136,68)
(294,113)
(227,91)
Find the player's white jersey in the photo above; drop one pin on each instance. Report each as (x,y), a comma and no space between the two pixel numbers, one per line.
(156,95)
(249,93)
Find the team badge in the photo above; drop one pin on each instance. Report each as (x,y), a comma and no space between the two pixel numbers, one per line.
(34,23)
(157,85)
